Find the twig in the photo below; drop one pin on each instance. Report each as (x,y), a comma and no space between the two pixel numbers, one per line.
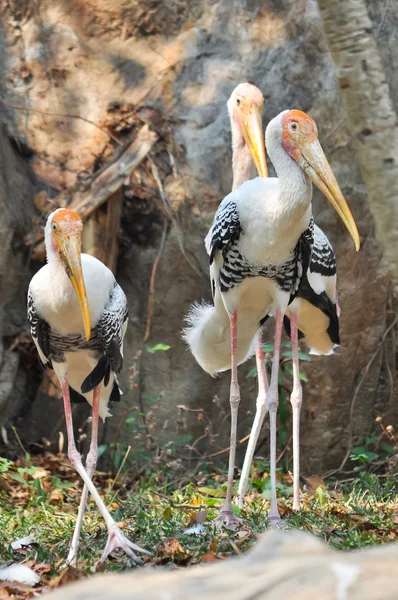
(235,547)
(118,473)
(64,115)
(354,398)
(284,450)
(170,214)
(152,281)
(19,440)
(224,450)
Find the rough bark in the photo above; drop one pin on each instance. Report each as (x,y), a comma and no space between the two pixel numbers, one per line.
(17,188)
(370,116)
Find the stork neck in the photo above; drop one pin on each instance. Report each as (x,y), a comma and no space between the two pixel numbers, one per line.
(61,287)
(241,158)
(295,186)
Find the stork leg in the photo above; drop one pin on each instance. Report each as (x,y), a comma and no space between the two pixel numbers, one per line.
(296,401)
(226,513)
(261,411)
(272,402)
(116,539)
(91,463)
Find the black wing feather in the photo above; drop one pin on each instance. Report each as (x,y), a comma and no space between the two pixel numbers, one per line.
(324,303)
(110,334)
(323,258)
(323,262)
(303,252)
(39,329)
(225,229)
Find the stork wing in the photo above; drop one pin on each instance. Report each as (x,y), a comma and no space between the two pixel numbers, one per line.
(225,229)
(313,287)
(110,331)
(303,252)
(39,330)
(323,259)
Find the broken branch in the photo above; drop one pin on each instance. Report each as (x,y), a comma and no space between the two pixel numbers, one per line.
(103,186)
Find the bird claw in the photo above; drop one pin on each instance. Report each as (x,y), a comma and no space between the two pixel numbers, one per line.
(227,516)
(71,560)
(275,522)
(116,539)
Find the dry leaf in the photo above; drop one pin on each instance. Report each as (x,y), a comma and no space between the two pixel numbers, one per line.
(56,495)
(212,492)
(172,549)
(312,483)
(197,518)
(40,473)
(66,576)
(211,555)
(201,516)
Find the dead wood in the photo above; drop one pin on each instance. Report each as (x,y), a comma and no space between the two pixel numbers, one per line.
(101,187)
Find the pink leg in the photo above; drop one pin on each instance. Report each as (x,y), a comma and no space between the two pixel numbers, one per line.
(91,463)
(261,411)
(273,401)
(296,401)
(116,539)
(226,513)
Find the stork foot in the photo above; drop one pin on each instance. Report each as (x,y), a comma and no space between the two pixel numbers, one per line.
(71,560)
(275,522)
(228,517)
(116,539)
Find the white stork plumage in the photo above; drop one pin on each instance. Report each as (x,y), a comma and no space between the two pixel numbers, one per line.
(314,313)
(260,247)
(78,318)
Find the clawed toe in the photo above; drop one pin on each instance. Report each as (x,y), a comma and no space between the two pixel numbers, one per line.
(228,517)
(71,560)
(275,522)
(117,539)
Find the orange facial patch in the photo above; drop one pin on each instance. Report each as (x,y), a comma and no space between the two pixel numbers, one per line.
(67,221)
(298,129)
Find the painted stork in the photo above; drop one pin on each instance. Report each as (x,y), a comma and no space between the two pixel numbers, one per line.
(259,247)
(312,316)
(78,318)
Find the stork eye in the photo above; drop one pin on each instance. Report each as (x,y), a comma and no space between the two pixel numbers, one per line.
(55,227)
(237,102)
(294,126)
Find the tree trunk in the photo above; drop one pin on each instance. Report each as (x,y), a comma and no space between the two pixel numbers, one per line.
(370,116)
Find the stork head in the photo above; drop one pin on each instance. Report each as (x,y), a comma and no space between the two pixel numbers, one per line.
(63,237)
(245,108)
(299,139)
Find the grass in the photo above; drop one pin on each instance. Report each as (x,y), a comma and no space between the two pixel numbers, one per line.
(40,497)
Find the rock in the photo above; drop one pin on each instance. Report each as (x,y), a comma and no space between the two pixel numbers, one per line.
(177,68)
(281,566)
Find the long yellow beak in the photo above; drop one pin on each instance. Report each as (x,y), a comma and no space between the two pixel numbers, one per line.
(252,130)
(70,250)
(314,162)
